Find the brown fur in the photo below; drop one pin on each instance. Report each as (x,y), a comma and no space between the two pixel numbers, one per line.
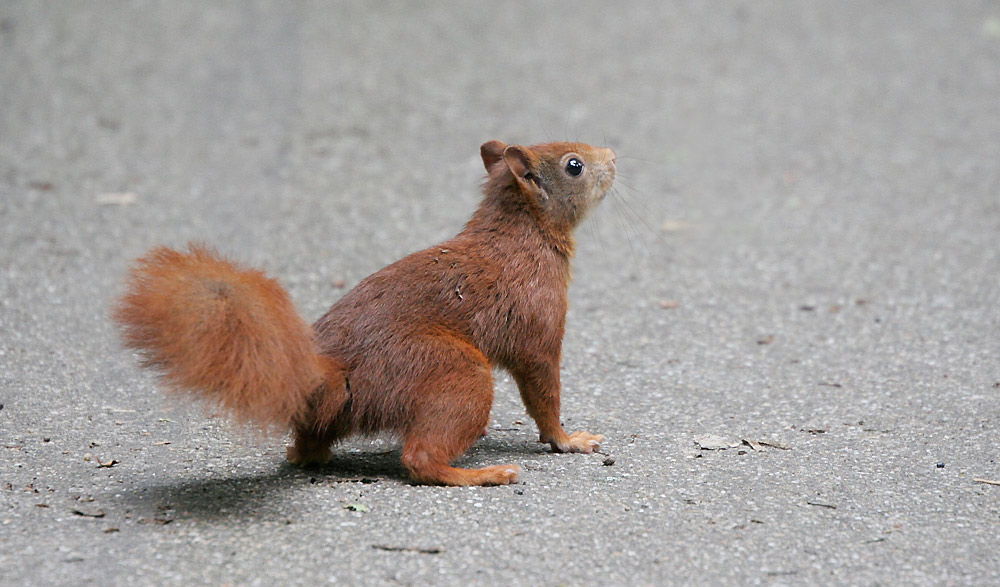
(411,349)
(222,332)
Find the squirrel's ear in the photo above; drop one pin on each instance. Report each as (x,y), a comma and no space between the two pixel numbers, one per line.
(491,152)
(523,163)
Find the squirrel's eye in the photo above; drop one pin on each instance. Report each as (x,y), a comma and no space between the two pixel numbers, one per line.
(574,167)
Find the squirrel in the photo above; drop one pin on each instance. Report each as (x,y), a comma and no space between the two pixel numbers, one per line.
(412,348)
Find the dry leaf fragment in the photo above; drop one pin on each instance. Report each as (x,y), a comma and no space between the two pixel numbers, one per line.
(97,514)
(775,444)
(828,506)
(669,304)
(674,226)
(752,444)
(117,199)
(106,464)
(714,442)
(407,549)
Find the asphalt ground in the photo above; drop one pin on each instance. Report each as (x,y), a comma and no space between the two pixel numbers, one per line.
(785,320)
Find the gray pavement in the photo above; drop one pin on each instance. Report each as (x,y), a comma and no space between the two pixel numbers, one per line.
(802,252)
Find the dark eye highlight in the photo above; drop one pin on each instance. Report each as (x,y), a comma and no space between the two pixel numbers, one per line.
(574,167)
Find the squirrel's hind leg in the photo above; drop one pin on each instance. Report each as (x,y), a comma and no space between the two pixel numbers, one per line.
(325,421)
(427,461)
(309,450)
(451,410)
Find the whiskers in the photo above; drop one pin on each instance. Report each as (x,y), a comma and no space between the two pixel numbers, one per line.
(634,217)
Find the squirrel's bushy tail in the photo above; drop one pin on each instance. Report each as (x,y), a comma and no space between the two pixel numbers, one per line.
(221,332)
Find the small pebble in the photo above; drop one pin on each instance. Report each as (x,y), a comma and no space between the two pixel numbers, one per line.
(940,465)
(609,461)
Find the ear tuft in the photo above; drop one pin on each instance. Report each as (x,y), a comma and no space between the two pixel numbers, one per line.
(491,152)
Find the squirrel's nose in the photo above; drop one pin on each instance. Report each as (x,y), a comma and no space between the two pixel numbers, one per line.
(609,156)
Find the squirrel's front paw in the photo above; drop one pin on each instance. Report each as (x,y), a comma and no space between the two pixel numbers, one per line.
(579,441)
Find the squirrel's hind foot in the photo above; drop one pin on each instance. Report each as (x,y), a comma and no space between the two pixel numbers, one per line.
(447,475)
(309,453)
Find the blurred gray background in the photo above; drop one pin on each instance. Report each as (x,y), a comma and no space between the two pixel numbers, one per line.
(801,253)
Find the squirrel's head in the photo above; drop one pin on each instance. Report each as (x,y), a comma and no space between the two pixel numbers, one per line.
(559,181)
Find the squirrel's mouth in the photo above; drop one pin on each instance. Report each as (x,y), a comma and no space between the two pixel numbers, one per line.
(605,180)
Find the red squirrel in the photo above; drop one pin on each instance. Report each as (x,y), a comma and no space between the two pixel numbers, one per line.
(411,350)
